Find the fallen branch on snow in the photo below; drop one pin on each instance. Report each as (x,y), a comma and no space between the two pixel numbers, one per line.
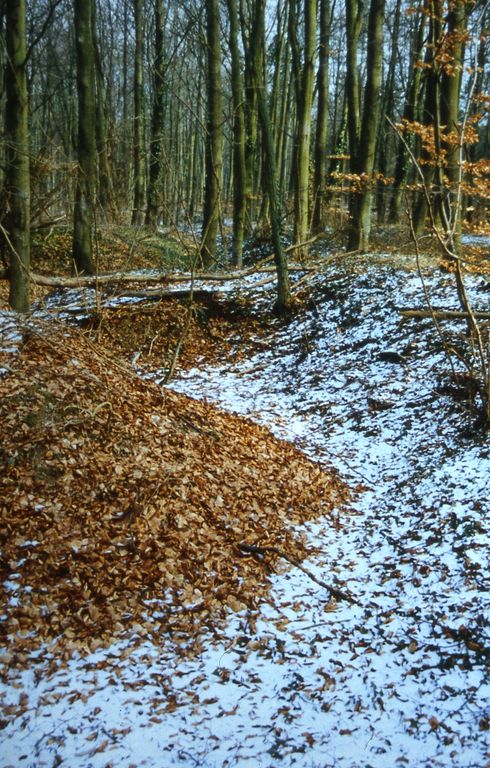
(94,281)
(338,594)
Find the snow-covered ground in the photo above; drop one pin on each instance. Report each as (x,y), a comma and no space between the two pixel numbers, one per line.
(402,678)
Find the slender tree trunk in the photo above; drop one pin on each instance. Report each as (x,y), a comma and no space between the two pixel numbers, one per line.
(321,138)
(451,77)
(386,138)
(360,212)
(125,167)
(17,178)
(257,41)
(214,136)
(83,220)
(153,206)
(104,184)
(296,71)
(412,111)
(251,121)
(195,170)
(430,116)
(239,162)
(138,215)
(284,88)
(482,147)
(302,181)
(354,10)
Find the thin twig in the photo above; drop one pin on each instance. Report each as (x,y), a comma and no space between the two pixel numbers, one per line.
(338,594)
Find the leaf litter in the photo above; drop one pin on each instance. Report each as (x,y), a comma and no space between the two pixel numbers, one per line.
(401,678)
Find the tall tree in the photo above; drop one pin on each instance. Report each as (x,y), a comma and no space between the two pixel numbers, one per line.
(321,138)
(138,214)
(362,160)
(17,179)
(105,186)
(239,160)
(412,111)
(386,137)
(257,42)
(214,135)
(83,218)
(448,132)
(430,112)
(305,103)
(157,117)
(354,19)
(252,65)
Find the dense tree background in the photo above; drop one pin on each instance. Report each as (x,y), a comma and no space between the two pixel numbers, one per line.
(245,116)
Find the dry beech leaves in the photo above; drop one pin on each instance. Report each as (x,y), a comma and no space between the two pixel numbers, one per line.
(123,503)
(156,328)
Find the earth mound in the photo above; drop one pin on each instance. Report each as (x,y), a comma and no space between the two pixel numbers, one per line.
(124,504)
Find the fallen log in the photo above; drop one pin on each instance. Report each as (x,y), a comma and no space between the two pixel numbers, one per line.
(443,314)
(94,281)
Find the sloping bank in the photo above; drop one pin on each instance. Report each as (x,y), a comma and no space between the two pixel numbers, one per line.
(125,505)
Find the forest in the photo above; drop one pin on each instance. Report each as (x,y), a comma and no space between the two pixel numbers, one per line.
(244,383)
(242,117)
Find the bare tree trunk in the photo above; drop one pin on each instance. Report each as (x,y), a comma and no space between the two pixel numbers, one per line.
(138,214)
(17,178)
(214,137)
(386,139)
(305,102)
(361,203)
(105,185)
(451,76)
(251,121)
(239,164)
(431,115)
(321,138)
(155,171)
(257,40)
(83,220)
(412,111)
(354,10)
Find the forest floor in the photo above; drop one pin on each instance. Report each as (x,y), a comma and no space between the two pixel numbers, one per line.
(140,630)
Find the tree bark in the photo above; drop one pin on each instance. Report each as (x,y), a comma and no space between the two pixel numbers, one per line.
(305,103)
(138,215)
(321,138)
(17,179)
(386,139)
(257,40)
(105,186)
(451,77)
(239,163)
(361,203)
(153,207)
(83,220)
(214,136)
(354,15)
(251,115)
(412,111)
(430,116)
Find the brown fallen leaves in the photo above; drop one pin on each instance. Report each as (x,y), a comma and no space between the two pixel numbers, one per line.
(122,504)
(155,329)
